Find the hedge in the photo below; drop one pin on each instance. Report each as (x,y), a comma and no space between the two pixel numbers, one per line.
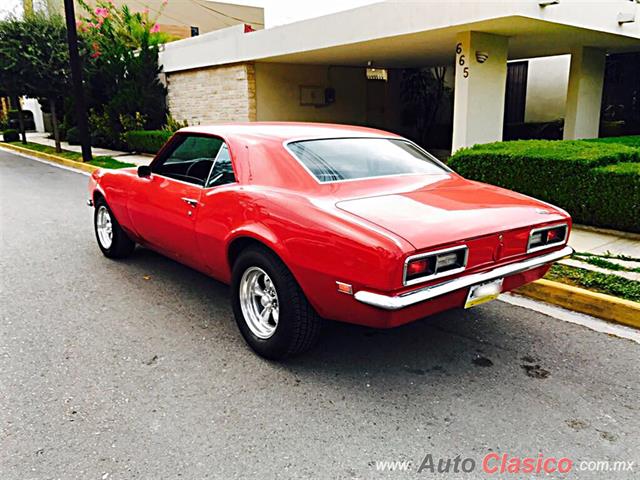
(10,135)
(146,141)
(629,140)
(597,182)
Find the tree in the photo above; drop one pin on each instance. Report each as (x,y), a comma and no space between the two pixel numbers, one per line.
(124,90)
(49,60)
(35,50)
(13,66)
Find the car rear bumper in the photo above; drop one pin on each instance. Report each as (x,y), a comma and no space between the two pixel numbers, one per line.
(408,299)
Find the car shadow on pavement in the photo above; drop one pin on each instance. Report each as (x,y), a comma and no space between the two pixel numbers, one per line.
(458,343)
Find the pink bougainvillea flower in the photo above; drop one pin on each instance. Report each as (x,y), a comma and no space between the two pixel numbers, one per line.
(102,12)
(145,11)
(96,50)
(164,2)
(155,28)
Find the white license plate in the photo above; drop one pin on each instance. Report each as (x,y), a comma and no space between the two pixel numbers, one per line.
(483,292)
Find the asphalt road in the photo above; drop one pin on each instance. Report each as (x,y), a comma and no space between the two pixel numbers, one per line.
(135,369)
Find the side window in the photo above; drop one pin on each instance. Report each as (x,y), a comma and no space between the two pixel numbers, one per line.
(190,159)
(222,171)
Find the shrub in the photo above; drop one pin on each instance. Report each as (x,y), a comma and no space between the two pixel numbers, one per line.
(629,140)
(597,182)
(614,197)
(173,125)
(10,135)
(124,91)
(73,136)
(147,141)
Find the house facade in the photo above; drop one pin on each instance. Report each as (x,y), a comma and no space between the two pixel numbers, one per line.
(504,62)
(184,19)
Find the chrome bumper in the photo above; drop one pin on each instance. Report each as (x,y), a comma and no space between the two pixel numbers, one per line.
(427,293)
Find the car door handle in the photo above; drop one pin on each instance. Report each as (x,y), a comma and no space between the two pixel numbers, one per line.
(192,202)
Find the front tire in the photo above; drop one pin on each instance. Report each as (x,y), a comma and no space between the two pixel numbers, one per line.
(272,313)
(112,239)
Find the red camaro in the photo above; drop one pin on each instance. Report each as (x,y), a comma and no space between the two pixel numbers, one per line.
(311,221)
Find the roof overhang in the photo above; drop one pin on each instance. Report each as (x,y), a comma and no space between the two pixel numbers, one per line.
(405,34)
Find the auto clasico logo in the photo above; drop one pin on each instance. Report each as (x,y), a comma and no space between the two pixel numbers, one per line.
(502,464)
(493,463)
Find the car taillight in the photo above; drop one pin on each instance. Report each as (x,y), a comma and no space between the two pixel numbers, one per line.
(417,268)
(547,237)
(427,266)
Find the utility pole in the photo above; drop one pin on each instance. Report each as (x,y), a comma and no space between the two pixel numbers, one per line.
(76,77)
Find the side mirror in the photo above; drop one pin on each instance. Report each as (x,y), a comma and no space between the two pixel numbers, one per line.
(144,171)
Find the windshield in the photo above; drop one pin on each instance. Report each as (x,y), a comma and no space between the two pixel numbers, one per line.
(336,159)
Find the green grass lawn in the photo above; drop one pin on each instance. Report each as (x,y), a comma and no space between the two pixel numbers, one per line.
(109,162)
(595,281)
(102,162)
(603,262)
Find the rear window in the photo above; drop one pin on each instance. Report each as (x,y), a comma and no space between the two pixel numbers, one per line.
(336,159)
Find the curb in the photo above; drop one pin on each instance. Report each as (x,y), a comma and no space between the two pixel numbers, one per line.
(580,300)
(606,231)
(51,158)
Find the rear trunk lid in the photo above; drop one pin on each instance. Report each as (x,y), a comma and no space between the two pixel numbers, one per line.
(451,211)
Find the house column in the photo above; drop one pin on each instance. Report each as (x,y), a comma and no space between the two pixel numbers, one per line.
(480,83)
(584,95)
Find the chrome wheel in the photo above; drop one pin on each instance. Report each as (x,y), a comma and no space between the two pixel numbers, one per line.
(259,302)
(104,227)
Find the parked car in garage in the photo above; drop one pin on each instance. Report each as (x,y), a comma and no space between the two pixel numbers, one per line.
(309,222)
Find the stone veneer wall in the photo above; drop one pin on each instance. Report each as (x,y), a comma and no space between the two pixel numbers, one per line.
(213,94)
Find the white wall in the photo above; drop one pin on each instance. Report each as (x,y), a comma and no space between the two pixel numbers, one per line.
(480,85)
(278,93)
(584,94)
(33,105)
(547,81)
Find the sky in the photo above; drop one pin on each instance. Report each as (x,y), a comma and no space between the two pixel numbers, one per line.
(277,12)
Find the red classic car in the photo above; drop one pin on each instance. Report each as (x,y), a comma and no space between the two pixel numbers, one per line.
(311,221)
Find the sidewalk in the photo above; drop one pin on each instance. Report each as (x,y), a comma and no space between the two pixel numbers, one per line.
(41,138)
(599,242)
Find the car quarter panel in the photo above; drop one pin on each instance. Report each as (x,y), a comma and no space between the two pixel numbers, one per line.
(318,243)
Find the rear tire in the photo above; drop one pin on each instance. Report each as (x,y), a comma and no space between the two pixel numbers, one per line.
(272,313)
(112,239)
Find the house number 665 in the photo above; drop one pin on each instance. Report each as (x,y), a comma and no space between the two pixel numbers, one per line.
(461,60)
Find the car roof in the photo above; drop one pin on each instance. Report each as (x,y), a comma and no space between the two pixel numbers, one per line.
(286,131)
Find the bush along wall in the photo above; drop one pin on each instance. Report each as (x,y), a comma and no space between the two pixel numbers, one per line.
(10,135)
(597,182)
(146,141)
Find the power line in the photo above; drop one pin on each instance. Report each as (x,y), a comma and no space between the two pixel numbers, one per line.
(161,13)
(225,14)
